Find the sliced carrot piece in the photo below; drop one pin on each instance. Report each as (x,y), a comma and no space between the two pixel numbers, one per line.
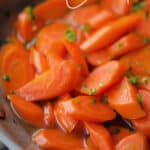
(87,108)
(77,56)
(49,84)
(143,124)
(135,141)
(14,60)
(28,111)
(49,38)
(101,18)
(90,144)
(102,78)
(124,99)
(118,133)
(100,136)
(38,60)
(81,15)
(103,37)
(65,121)
(53,138)
(139,61)
(26,27)
(124,45)
(48,10)
(49,117)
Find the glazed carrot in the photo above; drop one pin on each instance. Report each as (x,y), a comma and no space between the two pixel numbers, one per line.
(65,121)
(27,24)
(124,99)
(49,38)
(103,37)
(49,117)
(135,141)
(28,111)
(118,133)
(49,84)
(48,10)
(100,136)
(87,108)
(139,61)
(102,78)
(81,15)
(55,139)
(14,60)
(124,45)
(90,144)
(143,124)
(143,26)
(38,60)
(101,18)
(77,55)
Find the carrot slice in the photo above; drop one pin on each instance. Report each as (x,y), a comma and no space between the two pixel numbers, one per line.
(135,141)
(48,10)
(87,108)
(103,37)
(102,78)
(77,56)
(26,27)
(139,61)
(65,121)
(124,45)
(14,60)
(49,38)
(55,139)
(101,18)
(100,136)
(143,124)
(118,133)
(29,111)
(49,84)
(124,99)
(49,117)
(38,60)
(90,144)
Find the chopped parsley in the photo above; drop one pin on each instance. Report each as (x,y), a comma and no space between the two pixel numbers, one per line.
(86,28)
(30,12)
(70,35)
(6,77)
(144,80)
(93,101)
(92,91)
(139,98)
(104,99)
(134,79)
(138,6)
(115,130)
(83,87)
(146,40)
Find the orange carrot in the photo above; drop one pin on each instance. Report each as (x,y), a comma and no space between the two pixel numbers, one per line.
(87,108)
(28,111)
(124,99)
(103,37)
(49,117)
(49,38)
(100,136)
(138,61)
(102,78)
(49,84)
(77,56)
(55,139)
(135,141)
(124,45)
(65,121)
(101,18)
(14,60)
(118,133)
(38,60)
(90,144)
(48,10)
(27,24)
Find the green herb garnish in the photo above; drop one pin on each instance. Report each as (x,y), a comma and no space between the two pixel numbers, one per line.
(92,91)
(146,40)
(6,77)
(139,98)
(120,45)
(134,79)
(86,28)
(70,35)
(144,80)
(83,87)
(30,12)
(93,101)
(104,99)
(138,6)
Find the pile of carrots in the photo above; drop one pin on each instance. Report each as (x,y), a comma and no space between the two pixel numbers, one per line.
(81,77)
